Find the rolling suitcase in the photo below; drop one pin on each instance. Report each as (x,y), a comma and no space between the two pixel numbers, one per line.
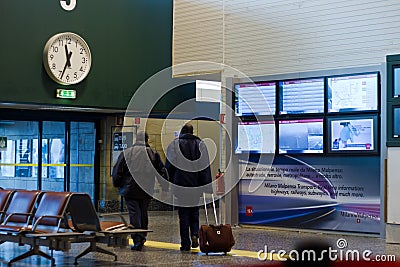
(215,238)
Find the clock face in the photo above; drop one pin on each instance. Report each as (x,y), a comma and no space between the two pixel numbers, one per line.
(67,58)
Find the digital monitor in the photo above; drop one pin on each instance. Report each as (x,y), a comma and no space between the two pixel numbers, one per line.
(358,92)
(353,134)
(301,96)
(255,98)
(396,122)
(301,136)
(396,81)
(255,137)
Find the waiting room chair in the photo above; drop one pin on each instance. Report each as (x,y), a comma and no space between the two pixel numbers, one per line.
(84,218)
(5,196)
(46,219)
(19,210)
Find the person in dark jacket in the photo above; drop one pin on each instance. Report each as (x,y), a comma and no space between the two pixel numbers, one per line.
(134,174)
(189,167)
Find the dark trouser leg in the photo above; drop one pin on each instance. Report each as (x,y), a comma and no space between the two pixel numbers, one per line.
(184,223)
(135,216)
(144,207)
(194,221)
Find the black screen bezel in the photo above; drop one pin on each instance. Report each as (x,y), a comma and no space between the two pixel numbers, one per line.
(352,110)
(280,96)
(309,152)
(329,138)
(236,101)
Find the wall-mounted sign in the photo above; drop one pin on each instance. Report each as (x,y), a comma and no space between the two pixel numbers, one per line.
(122,137)
(66,94)
(122,141)
(3,143)
(312,193)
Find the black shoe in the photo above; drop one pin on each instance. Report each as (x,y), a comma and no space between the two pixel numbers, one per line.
(137,247)
(195,241)
(184,248)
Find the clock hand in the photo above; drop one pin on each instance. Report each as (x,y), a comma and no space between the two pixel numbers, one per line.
(66,63)
(68,57)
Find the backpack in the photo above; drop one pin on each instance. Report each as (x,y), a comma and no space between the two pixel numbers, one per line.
(117,176)
(121,175)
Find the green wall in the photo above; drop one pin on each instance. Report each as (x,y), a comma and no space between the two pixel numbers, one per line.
(130,40)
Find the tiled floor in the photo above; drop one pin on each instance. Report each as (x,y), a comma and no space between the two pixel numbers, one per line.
(162,248)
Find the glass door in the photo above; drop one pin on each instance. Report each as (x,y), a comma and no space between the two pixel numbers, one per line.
(82,157)
(17,154)
(53,156)
(65,150)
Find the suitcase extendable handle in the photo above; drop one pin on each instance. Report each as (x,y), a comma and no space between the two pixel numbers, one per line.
(205,208)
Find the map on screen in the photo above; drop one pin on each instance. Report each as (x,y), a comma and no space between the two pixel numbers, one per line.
(353,93)
(256,137)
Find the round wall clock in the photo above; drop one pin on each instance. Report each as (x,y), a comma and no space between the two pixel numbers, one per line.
(67,58)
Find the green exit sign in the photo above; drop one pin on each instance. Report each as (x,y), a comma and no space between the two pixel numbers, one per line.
(64,93)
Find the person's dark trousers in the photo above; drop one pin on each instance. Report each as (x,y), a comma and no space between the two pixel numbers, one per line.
(138,216)
(188,221)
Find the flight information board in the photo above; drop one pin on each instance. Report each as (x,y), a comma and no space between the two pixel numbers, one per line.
(255,98)
(301,96)
(396,122)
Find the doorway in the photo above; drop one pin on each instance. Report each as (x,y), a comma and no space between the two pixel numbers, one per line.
(48,155)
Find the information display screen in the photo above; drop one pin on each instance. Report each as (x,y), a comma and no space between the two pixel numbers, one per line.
(396,122)
(353,92)
(396,82)
(255,98)
(353,133)
(301,136)
(301,96)
(255,137)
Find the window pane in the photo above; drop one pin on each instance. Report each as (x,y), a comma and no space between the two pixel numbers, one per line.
(16,161)
(82,151)
(7,160)
(54,155)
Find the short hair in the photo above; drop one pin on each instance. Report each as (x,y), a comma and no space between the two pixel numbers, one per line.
(142,136)
(187,129)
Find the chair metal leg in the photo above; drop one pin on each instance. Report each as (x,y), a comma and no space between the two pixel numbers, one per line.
(102,250)
(94,248)
(83,253)
(34,251)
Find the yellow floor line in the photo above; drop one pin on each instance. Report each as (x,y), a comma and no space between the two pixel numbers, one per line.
(233,252)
